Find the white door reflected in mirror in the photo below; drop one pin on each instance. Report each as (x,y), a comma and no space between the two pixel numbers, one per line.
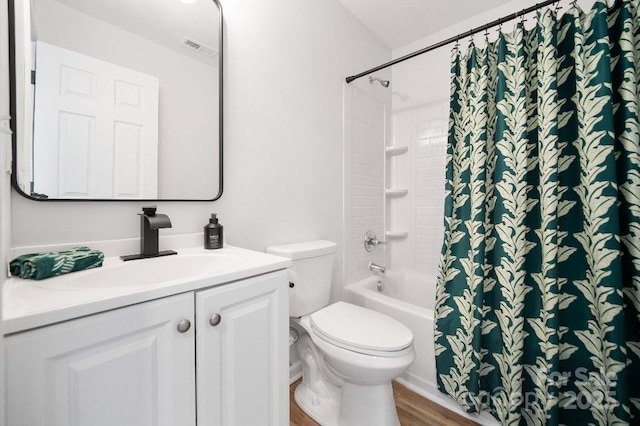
(100,121)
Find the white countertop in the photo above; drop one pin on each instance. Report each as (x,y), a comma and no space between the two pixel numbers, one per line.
(29,304)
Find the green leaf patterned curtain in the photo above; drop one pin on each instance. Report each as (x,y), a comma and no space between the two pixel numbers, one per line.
(538,297)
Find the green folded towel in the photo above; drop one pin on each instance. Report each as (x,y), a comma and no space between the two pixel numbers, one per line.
(38,266)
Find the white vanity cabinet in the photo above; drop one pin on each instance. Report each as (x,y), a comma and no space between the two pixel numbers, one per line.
(129,366)
(139,365)
(242,353)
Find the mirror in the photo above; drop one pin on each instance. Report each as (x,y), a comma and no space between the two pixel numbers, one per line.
(116,100)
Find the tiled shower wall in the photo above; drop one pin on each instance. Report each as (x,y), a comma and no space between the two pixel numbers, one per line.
(430,177)
(364,183)
(422,171)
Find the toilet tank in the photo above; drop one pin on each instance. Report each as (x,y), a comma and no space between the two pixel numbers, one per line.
(310,272)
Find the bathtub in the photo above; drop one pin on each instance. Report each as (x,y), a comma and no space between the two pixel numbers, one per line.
(410,300)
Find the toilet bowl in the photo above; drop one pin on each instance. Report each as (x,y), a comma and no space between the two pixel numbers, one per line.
(349,354)
(359,365)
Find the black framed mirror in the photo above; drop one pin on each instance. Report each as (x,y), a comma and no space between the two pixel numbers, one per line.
(116,100)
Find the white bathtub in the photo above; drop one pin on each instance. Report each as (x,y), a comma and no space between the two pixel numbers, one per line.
(410,300)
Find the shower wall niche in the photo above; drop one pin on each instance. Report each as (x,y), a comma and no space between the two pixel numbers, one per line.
(416,160)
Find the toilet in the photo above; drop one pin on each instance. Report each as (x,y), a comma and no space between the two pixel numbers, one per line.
(349,354)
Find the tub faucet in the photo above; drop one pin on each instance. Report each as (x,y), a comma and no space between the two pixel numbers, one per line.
(374,267)
(150,223)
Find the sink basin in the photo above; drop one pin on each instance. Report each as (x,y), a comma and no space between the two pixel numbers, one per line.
(144,272)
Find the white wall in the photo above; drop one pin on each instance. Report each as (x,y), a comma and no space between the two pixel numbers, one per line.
(285,64)
(188,98)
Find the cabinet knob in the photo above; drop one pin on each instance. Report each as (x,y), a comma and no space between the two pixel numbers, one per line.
(215,319)
(184,326)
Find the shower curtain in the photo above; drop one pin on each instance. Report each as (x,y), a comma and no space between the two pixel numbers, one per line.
(538,297)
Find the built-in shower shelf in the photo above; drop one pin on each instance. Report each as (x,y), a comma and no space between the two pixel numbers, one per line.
(396,235)
(396,150)
(396,192)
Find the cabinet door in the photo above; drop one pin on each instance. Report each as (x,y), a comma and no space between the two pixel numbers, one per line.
(242,361)
(126,367)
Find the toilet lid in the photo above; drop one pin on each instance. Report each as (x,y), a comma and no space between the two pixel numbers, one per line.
(357,328)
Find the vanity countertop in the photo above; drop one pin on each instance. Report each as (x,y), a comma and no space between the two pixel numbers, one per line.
(29,304)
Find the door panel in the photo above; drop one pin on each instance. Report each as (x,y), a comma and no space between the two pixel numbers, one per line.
(69,84)
(243,360)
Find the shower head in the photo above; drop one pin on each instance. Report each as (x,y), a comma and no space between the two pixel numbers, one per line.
(383,83)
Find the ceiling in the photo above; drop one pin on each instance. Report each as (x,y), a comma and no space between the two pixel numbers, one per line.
(401,22)
(165,22)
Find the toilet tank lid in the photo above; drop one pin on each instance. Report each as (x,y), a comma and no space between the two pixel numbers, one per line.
(303,250)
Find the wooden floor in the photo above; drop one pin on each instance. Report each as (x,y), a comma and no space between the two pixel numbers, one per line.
(413,410)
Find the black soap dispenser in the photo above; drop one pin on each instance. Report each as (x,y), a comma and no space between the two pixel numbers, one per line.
(213,233)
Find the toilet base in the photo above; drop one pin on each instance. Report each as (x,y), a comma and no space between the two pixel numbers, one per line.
(368,405)
(323,411)
(358,406)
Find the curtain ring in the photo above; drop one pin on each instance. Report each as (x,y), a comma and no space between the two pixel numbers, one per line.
(558,7)
(486,35)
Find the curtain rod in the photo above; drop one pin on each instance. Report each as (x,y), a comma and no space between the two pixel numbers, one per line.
(456,38)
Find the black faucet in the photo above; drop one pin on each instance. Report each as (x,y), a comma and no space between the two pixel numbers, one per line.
(150,223)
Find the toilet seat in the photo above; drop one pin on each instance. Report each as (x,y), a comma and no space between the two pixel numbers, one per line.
(361,330)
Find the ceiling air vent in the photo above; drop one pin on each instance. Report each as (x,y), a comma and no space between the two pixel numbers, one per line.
(199,47)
